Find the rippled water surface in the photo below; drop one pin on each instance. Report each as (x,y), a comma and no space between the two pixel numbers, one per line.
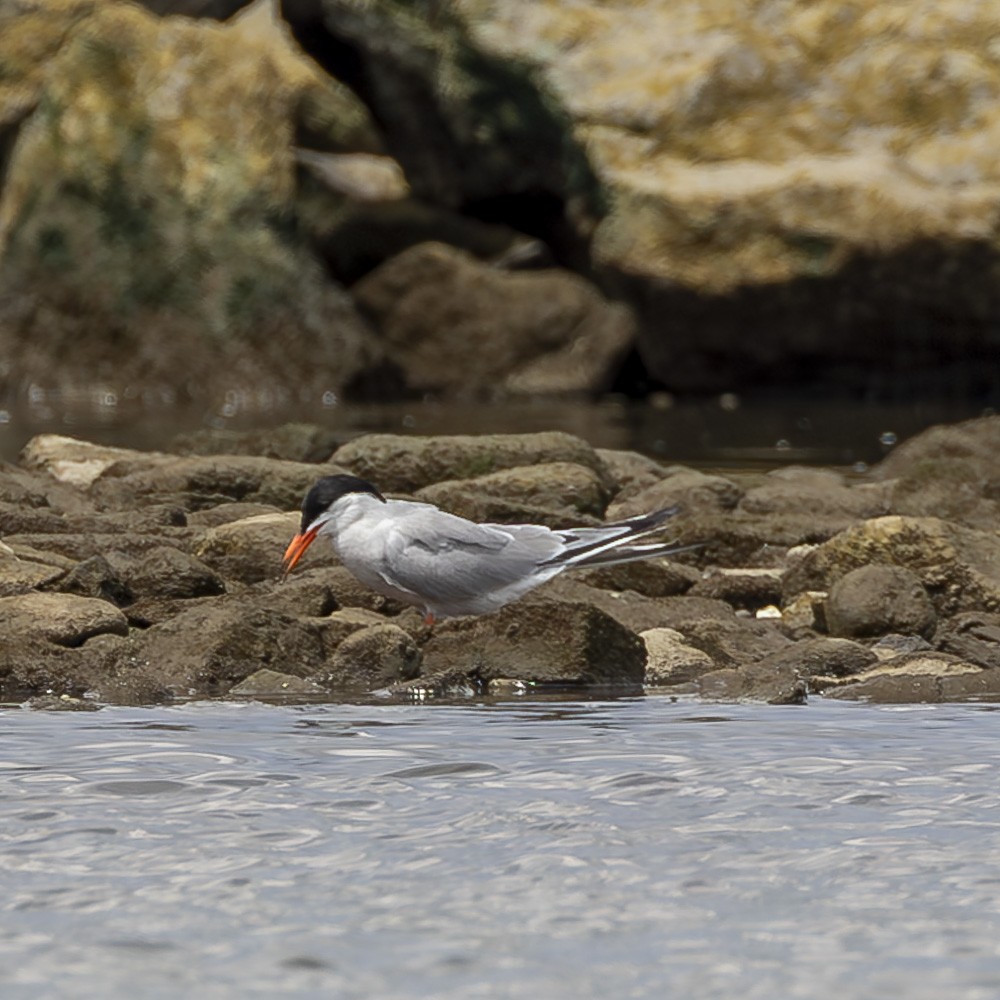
(642,848)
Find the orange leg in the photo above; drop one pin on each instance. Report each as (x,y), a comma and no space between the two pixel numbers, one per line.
(429,618)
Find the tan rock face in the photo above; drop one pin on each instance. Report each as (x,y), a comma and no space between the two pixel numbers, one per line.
(138,216)
(786,179)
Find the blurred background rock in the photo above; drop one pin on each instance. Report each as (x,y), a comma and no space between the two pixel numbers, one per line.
(482,200)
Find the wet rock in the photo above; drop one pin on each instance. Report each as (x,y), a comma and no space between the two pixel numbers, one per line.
(748,589)
(776,684)
(873,600)
(540,641)
(692,490)
(959,567)
(204,651)
(807,611)
(228,511)
(95,577)
(373,657)
(198,482)
(168,572)
(632,610)
(650,577)
(399,464)
(564,487)
(61,703)
(951,472)
(735,642)
(271,684)
(63,619)
(502,332)
(250,550)
(307,593)
(670,660)
(972,636)
(894,644)
(826,657)
(820,495)
(907,679)
(20,575)
(631,472)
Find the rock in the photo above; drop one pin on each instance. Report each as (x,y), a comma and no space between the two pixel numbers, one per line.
(736,642)
(349,592)
(959,567)
(198,482)
(873,600)
(807,611)
(250,550)
(748,589)
(775,684)
(733,196)
(61,703)
(951,472)
(227,512)
(894,644)
(818,494)
(269,684)
(399,464)
(469,127)
(650,577)
(374,657)
(826,657)
(503,332)
(20,575)
(910,678)
(973,636)
(94,577)
(63,619)
(670,660)
(559,486)
(168,572)
(78,463)
(107,242)
(306,593)
(204,651)
(632,610)
(631,472)
(540,641)
(692,490)
(290,442)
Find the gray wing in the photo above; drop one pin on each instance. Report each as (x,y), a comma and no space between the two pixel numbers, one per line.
(447,559)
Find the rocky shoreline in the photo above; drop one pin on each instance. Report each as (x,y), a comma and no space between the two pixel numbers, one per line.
(140,577)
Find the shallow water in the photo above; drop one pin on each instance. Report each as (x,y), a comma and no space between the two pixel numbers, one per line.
(638,848)
(724,430)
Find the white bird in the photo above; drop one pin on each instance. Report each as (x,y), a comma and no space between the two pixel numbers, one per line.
(446,565)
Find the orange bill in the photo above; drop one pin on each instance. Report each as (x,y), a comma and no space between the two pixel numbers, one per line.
(297,548)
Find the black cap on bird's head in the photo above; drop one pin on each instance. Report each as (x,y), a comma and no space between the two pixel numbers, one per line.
(328,490)
(321,497)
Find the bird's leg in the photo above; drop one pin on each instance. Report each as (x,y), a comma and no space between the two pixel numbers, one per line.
(429,619)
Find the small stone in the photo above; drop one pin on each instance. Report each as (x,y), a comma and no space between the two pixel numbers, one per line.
(876,599)
(670,660)
(265,683)
(374,657)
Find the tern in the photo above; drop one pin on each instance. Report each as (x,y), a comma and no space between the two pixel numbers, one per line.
(448,566)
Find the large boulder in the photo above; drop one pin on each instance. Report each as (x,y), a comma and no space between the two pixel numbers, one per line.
(780,204)
(501,332)
(145,213)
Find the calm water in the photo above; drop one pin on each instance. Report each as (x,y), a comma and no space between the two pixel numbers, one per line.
(723,430)
(640,848)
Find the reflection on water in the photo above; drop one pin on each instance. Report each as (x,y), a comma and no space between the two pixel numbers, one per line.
(721,431)
(641,848)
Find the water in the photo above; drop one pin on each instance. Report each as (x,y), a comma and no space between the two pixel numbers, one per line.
(630,849)
(719,431)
